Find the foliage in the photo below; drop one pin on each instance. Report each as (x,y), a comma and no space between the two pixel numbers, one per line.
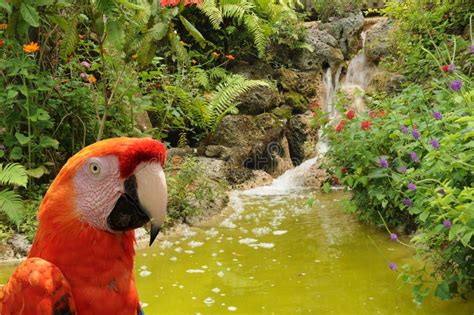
(410,162)
(189,192)
(11,205)
(336,8)
(425,24)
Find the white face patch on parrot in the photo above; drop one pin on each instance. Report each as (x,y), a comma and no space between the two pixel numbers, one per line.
(152,190)
(98,187)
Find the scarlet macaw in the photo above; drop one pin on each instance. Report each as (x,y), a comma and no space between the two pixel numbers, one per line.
(81,261)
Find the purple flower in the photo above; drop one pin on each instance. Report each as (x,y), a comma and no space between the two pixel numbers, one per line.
(383,163)
(472,49)
(415,133)
(412,186)
(455,85)
(393,236)
(447,224)
(414,157)
(442,192)
(407,202)
(437,115)
(403,129)
(434,143)
(392,266)
(83,75)
(403,169)
(86,64)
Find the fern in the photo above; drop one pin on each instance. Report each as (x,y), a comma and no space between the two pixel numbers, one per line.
(10,202)
(179,50)
(224,99)
(218,73)
(209,8)
(13,174)
(70,39)
(253,24)
(200,77)
(12,205)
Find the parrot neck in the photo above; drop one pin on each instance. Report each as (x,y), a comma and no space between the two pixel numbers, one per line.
(97,264)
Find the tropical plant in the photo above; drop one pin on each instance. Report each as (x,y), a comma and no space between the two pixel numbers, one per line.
(11,204)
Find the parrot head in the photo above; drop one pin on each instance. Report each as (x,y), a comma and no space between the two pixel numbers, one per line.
(114,185)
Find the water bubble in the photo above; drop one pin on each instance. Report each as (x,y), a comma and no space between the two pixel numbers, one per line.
(190,252)
(173,258)
(228,224)
(209,301)
(144,254)
(144,273)
(195,271)
(143,267)
(279,232)
(194,244)
(220,274)
(232,308)
(178,249)
(247,241)
(261,231)
(204,267)
(216,290)
(165,244)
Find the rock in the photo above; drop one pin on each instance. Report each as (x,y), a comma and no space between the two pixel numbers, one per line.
(297,102)
(218,151)
(307,83)
(6,251)
(384,81)
(315,177)
(377,43)
(235,131)
(346,32)
(325,50)
(214,169)
(259,100)
(302,137)
(257,70)
(256,178)
(252,142)
(20,245)
(283,112)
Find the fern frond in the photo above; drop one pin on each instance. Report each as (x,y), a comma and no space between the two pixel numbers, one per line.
(217,73)
(236,9)
(13,174)
(12,205)
(224,99)
(105,6)
(115,33)
(180,52)
(200,77)
(209,9)
(254,26)
(70,39)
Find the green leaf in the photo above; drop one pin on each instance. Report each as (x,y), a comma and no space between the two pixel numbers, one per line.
(48,142)
(158,31)
(16,153)
(193,31)
(454,231)
(115,33)
(13,174)
(29,14)
(22,139)
(40,3)
(467,238)
(377,173)
(70,39)
(442,291)
(326,187)
(12,94)
(37,172)
(12,205)
(6,6)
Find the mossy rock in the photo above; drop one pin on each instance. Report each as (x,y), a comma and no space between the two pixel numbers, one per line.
(296,101)
(283,112)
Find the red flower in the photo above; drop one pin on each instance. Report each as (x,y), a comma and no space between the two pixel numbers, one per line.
(372,114)
(365,124)
(340,126)
(315,105)
(381,113)
(445,68)
(315,114)
(1,43)
(350,114)
(344,170)
(335,180)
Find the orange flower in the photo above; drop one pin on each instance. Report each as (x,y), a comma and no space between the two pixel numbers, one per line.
(1,43)
(31,48)
(381,113)
(134,56)
(82,37)
(194,61)
(230,57)
(215,54)
(3,26)
(92,79)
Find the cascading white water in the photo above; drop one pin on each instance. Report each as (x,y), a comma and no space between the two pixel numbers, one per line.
(358,75)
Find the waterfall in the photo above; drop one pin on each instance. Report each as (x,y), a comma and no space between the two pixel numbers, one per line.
(358,75)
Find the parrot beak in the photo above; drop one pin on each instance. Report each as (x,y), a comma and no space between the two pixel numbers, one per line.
(144,200)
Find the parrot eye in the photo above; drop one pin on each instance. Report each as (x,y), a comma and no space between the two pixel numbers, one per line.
(94,168)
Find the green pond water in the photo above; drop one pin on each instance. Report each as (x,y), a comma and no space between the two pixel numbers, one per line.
(278,255)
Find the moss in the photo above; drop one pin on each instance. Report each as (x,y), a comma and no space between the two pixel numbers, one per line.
(296,101)
(282,112)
